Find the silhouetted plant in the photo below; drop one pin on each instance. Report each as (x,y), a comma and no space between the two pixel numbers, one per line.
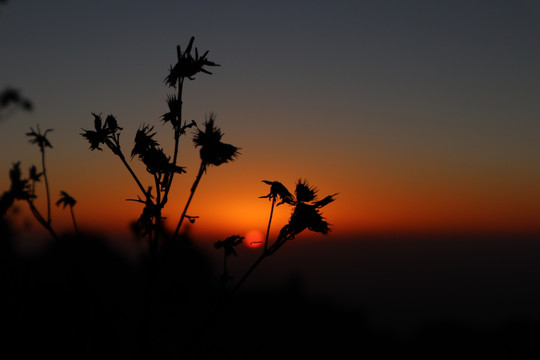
(228,246)
(24,189)
(158,164)
(36,137)
(162,167)
(305,215)
(212,152)
(277,189)
(67,200)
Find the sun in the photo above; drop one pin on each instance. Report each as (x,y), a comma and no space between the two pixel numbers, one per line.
(253,239)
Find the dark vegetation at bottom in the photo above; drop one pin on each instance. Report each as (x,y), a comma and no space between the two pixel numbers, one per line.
(80,299)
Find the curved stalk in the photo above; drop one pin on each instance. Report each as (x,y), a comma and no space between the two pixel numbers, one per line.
(202,168)
(122,157)
(41,220)
(46,185)
(269,223)
(176,139)
(74,222)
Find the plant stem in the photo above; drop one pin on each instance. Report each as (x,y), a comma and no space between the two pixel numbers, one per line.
(248,273)
(157,180)
(46,185)
(73,218)
(176,138)
(122,157)
(267,252)
(41,220)
(269,223)
(202,169)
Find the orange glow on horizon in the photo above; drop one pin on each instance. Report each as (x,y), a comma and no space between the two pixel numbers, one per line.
(227,201)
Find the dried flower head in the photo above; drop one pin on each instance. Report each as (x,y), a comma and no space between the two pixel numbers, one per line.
(102,132)
(66,200)
(188,65)
(213,151)
(151,154)
(175,108)
(306,214)
(278,190)
(144,141)
(305,192)
(229,244)
(36,137)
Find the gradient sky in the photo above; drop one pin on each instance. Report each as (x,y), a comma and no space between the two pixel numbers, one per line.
(422,115)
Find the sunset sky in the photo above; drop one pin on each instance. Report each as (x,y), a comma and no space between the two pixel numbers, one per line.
(422,115)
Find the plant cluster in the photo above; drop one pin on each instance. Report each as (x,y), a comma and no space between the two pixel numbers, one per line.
(305,215)
(25,188)
(163,167)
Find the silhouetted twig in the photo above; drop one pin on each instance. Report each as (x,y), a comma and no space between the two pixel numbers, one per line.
(277,189)
(305,215)
(21,189)
(212,152)
(41,140)
(67,200)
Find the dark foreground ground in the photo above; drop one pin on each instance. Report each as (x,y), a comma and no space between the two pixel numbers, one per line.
(437,298)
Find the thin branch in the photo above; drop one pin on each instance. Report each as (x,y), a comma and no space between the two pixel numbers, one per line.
(177,134)
(73,218)
(46,185)
(269,223)
(202,169)
(41,220)
(116,150)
